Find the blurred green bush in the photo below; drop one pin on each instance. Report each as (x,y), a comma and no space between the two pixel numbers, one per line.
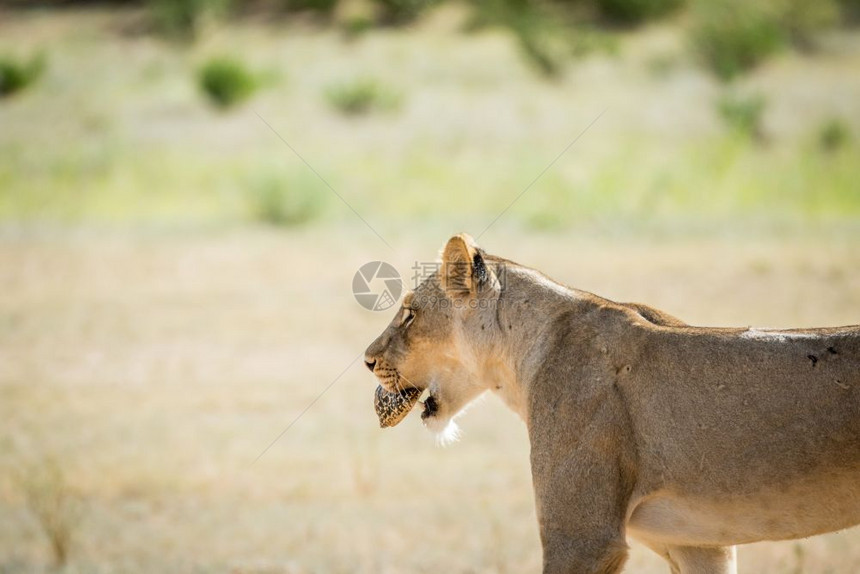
(226,81)
(539,53)
(849,11)
(743,114)
(284,200)
(16,74)
(833,135)
(730,36)
(803,20)
(733,36)
(361,96)
(636,11)
(539,31)
(401,11)
(183,19)
(323,7)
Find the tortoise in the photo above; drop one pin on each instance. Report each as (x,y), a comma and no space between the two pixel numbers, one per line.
(392,407)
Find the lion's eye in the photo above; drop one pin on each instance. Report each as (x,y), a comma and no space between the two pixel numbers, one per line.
(408,317)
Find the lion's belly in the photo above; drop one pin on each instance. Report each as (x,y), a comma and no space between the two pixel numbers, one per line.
(794,511)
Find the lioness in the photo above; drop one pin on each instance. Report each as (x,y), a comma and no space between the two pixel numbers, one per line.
(688,439)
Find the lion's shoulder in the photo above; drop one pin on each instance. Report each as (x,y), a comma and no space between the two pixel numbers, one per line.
(655,316)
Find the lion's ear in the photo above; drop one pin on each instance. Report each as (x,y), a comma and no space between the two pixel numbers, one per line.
(464,271)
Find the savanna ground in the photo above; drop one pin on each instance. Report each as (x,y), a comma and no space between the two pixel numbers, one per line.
(156,334)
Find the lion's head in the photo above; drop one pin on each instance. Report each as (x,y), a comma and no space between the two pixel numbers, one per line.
(439,337)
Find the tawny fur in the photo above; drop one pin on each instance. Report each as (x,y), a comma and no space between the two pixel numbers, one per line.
(689,439)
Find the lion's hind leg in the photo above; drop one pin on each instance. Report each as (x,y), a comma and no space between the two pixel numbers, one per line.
(699,560)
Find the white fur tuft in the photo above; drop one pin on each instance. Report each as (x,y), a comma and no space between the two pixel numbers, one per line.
(448,435)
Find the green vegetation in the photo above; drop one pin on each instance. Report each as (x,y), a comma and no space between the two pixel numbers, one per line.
(140,148)
(278,200)
(719,183)
(850,11)
(538,51)
(803,20)
(734,36)
(731,37)
(834,135)
(636,11)
(588,39)
(17,74)
(361,96)
(356,25)
(324,7)
(541,34)
(401,11)
(184,19)
(226,81)
(731,180)
(743,114)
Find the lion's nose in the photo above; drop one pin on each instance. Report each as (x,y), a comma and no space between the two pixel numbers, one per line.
(370,364)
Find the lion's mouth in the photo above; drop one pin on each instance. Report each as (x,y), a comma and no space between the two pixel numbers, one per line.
(431,407)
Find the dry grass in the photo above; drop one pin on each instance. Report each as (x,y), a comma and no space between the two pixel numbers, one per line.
(156,368)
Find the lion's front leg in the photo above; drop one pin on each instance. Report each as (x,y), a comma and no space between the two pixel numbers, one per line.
(583,468)
(581,502)
(564,554)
